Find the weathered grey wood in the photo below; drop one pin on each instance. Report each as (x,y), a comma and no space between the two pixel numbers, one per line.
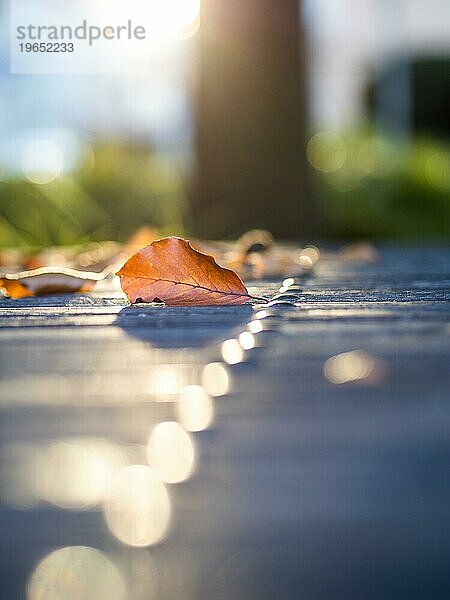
(303,488)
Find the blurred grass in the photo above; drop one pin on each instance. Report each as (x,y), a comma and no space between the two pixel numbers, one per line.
(117,188)
(367,186)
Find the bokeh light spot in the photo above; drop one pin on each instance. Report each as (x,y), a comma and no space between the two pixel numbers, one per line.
(232,352)
(255,326)
(349,366)
(215,379)
(195,408)
(137,509)
(326,151)
(165,380)
(309,256)
(76,573)
(171,452)
(76,473)
(247,340)
(42,161)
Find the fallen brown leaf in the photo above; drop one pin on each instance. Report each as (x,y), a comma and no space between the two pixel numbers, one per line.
(171,270)
(48,281)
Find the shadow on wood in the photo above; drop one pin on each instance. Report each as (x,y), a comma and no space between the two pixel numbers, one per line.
(183,327)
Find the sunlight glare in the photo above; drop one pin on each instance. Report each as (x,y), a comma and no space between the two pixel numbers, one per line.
(164,20)
(174,18)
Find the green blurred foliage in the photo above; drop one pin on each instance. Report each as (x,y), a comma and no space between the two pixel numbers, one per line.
(117,188)
(367,186)
(373,187)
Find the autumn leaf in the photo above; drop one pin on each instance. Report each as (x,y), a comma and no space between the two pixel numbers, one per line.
(172,271)
(48,280)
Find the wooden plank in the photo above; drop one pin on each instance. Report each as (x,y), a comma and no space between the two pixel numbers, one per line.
(303,487)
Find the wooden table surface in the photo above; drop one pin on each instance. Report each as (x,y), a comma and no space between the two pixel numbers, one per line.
(324,473)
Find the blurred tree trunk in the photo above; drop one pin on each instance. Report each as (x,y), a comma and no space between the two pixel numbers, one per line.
(250,120)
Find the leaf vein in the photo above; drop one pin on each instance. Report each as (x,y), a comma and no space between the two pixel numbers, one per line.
(217,291)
